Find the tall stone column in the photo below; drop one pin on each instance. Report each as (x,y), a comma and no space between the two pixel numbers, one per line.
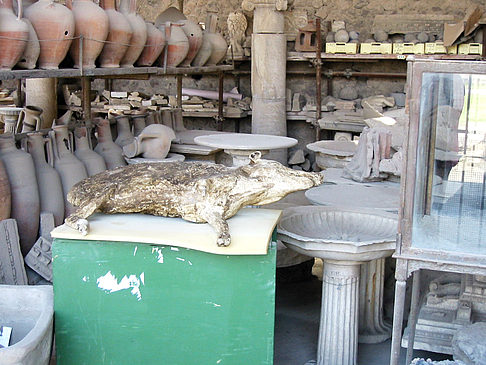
(372,326)
(268,70)
(43,94)
(338,332)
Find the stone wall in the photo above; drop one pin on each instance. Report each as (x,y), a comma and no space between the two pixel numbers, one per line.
(358,14)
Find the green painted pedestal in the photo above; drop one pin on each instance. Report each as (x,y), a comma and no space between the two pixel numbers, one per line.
(141,303)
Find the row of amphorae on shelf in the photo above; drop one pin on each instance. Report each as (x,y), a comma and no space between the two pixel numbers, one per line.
(37,177)
(103,35)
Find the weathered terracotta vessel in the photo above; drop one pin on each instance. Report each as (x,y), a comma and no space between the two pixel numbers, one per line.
(24,192)
(32,50)
(5,198)
(139,36)
(91,22)
(177,44)
(111,153)
(70,168)
(14,34)
(194,36)
(153,142)
(93,162)
(153,47)
(204,52)
(124,133)
(138,123)
(30,119)
(217,40)
(54,25)
(48,179)
(118,38)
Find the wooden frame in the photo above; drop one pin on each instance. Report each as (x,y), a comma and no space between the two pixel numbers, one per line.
(410,259)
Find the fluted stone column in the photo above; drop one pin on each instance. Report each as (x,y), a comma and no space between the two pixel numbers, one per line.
(268,70)
(372,326)
(338,332)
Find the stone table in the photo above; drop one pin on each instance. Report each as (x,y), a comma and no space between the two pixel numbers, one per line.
(240,145)
(381,196)
(343,239)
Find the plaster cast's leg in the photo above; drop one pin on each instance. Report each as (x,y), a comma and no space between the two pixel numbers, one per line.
(217,221)
(78,220)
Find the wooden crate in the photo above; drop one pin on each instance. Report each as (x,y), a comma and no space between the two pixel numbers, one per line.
(346,48)
(408,48)
(470,48)
(376,48)
(439,48)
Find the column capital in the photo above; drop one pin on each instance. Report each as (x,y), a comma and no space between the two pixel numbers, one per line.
(250,5)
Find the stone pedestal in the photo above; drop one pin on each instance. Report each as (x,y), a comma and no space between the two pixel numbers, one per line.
(42,93)
(372,326)
(338,332)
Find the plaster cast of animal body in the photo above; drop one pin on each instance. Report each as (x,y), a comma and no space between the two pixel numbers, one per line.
(197,192)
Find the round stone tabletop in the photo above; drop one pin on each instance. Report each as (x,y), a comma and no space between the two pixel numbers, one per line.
(245,141)
(372,196)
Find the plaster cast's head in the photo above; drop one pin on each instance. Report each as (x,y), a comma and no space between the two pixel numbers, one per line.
(279,179)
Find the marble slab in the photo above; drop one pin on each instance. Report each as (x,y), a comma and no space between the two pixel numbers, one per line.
(246,141)
(250,229)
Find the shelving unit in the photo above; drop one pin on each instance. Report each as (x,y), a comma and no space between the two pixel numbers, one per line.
(143,73)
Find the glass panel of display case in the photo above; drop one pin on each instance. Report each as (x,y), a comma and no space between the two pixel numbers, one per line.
(450,190)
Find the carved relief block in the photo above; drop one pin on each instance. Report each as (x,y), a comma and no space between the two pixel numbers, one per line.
(12,271)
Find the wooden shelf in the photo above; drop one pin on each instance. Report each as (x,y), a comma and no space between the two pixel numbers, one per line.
(112,72)
(307,56)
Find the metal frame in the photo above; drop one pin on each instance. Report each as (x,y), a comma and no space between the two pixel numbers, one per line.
(410,260)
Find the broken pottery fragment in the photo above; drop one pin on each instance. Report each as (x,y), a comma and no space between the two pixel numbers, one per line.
(196,192)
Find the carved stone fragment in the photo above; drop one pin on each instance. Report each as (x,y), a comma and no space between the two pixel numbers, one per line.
(197,192)
(12,271)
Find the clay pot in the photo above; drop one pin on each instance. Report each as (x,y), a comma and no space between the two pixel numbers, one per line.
(219,48)
(5,198)
(24,192)
(118,38)
(125,135)
(70,168)
(111,152)
(153,47)
(138,123)
(14,35)
(54,25)
(151,118)
(91,22)
(48,179)
(154,142)
(177,44)
(30,119)
(32,50)
(10,119)
(204,51)
(93,162)
(139,28)
(217,41)
(194,35)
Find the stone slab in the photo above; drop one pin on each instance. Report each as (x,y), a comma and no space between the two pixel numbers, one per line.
(12,271)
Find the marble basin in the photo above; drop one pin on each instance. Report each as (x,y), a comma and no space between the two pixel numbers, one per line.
(28,310)
(333,154)
(332,233)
